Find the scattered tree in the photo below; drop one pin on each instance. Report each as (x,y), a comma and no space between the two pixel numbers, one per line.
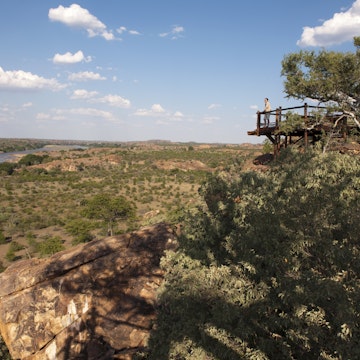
(109,209)
(32,159)
(7,168)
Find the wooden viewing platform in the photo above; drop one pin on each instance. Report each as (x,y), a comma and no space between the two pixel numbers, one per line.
(313,127)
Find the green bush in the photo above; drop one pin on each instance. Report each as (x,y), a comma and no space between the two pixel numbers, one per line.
(109,208)
(50,246)
(2,238)
(269,269)
(82,238)
(268,147)
(7,168)
(4,352)
(10,255)
(32,159)
(77,227)
(15,246)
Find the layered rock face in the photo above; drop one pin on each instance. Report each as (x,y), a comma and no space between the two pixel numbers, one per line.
(94,301)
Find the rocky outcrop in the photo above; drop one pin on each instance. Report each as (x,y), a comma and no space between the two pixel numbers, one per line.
(94,301)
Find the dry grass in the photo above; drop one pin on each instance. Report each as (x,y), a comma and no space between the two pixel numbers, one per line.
(161,180)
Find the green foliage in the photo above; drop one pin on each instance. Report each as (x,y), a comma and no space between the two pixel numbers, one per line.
(77,227)
(268,147)
(80,229)
(50,246)
(15,246)
(35,202)
(10,255)
(326,76)
(109,208)
(32,159)
(269,269)
(33,244)
(7,168)
(4,352)
(2,238)
(13,145)
(82,238)
(293,122)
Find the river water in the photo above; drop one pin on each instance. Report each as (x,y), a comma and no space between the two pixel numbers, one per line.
(11,156)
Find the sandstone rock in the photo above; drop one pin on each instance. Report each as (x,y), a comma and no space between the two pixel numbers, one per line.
(94,301)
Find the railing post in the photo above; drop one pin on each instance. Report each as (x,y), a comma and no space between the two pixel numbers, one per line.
(258,123)
(276,132)
(278,117)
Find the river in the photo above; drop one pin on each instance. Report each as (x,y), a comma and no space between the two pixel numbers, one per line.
(11,156)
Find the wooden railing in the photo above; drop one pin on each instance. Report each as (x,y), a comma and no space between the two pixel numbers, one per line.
(278,114)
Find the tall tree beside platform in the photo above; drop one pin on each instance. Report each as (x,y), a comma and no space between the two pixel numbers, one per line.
(330,77)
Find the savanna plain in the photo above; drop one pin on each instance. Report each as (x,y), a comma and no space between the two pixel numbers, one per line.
(44,194)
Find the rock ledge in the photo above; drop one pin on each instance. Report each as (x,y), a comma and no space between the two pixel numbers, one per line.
(94,301)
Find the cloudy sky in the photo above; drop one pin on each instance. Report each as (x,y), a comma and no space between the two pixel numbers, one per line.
(180,70)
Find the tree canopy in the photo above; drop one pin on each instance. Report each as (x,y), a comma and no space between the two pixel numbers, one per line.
(269,269)
(108,208)
(328,77)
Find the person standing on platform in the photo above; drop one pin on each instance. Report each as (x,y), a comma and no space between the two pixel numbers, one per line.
(267,110)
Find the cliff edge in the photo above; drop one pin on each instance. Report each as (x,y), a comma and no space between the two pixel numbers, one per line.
(94,301)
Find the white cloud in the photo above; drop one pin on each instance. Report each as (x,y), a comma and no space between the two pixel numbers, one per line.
(69,58)
(134,32)
(85,75)
(121,29)
(76,16)
(156,110)
(22,80)
(178,114)
(214,106)
(174,33)
(27,105)
(342,27)
(112,100)
(42,116)
(67,114)
(88,112)
(162,116)
(208,120)
(83,94)
(115,100)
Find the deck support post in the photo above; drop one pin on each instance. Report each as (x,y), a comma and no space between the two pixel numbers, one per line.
(258,122)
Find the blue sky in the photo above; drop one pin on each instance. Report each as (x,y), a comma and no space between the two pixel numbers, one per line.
(179,70)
